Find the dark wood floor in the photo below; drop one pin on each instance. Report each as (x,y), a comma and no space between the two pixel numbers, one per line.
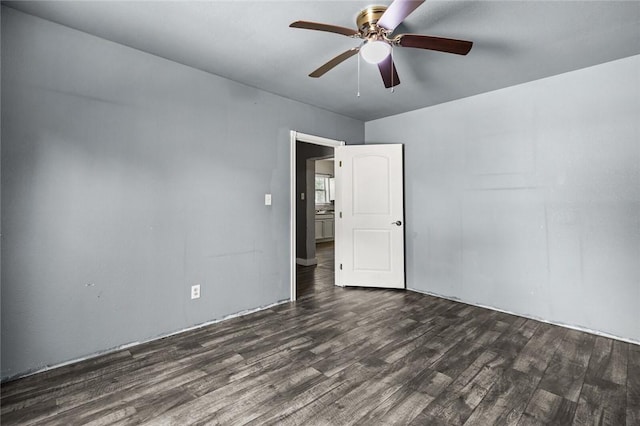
(320,277)
(347,356)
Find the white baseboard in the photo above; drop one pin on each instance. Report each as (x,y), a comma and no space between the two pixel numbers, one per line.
(306,262)
(559,324)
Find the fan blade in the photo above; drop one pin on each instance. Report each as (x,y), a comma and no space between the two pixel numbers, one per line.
(397,12)
(324,27)
(449,45)
(333,62)
(388,72)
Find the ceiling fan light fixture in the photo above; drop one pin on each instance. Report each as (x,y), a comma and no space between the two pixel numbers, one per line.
(375,27)
(375,51)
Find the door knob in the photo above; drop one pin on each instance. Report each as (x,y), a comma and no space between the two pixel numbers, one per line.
(397,223)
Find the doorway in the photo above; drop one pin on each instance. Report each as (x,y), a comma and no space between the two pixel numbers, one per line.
(315,272)
(308,266)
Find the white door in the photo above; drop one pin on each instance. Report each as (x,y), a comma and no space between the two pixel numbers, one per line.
(369,216)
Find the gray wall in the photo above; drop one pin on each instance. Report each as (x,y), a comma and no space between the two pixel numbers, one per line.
(305,210)
(527,199)
(126,178)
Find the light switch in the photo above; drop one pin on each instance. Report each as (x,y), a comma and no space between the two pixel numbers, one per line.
(302,196)
(267,199)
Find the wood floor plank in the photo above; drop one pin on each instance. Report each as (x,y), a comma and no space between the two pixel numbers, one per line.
(77,406)
(546,408)
(210,403)
(399,409)
(603,398)
(457,401)
(275,413)
(601,404)
(506,400)
(608,361)
(565,374)
(511,342)
(633,386)
(458,358)
(345,356)
(63,380)
(408,401)
(255,401)
(535,356)
(140,410)
(429,382)
(360,400)
(308,414)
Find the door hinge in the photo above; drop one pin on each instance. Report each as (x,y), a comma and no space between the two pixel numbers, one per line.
(341,266)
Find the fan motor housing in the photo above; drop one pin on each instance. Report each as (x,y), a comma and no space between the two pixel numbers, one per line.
(368,18)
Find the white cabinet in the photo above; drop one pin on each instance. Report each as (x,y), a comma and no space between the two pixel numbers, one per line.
(327,228)
(319,229)
(324,227)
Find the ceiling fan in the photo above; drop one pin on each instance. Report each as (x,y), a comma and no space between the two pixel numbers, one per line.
(375,27)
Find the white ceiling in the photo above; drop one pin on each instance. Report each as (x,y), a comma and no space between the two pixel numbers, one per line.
(250,42)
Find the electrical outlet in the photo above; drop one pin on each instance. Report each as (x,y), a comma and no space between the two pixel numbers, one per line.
(195,291)
(267,199)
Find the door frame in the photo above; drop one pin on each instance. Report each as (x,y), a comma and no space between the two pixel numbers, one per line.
(296,137)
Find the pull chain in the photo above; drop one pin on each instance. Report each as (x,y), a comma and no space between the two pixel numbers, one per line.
(358,74)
